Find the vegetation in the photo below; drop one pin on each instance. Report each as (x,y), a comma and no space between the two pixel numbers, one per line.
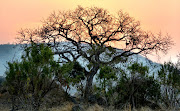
(30,80)
(72,74)
(33,77)
(89,34)
(169,77)
(138,89)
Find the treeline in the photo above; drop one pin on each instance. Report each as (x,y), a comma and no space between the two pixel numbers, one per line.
(31,80)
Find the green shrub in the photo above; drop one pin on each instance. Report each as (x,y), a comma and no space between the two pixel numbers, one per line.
(169,77)
(137,89)
(33,77)
(72,74)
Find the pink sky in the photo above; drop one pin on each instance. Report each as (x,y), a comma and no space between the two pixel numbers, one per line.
(154,15)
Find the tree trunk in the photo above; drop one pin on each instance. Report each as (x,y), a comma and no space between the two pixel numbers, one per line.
(88,88)
(89,81)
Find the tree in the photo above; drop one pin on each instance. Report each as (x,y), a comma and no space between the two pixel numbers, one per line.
(138,88)
(33,77)
(169,76)
(91,33)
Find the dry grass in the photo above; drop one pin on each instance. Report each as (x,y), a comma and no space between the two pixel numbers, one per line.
(68,107)
(95,107)
(3,108)
(65,107)
(141,109)
(5,105)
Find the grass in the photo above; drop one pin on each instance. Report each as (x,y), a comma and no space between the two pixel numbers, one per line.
(5,105)
(65,107)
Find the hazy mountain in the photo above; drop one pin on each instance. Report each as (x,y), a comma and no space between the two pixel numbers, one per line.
(10,52)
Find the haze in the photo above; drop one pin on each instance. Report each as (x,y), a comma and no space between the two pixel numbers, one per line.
(154,15)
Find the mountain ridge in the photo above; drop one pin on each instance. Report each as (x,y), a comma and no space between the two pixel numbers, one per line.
(11,52)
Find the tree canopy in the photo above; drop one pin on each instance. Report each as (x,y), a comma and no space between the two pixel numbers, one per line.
(92,33)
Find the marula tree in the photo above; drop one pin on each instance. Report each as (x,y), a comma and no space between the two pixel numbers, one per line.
(91,33)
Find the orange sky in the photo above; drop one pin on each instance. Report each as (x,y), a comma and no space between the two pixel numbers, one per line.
(154,15)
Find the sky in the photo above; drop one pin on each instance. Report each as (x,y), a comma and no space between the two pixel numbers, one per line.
(154,15)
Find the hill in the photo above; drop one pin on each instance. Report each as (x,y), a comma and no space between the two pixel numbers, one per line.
(9,52)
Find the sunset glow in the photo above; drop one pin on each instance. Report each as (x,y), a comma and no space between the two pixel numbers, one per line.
(154,15)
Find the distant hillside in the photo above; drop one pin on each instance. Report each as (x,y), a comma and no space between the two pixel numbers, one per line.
(10,52)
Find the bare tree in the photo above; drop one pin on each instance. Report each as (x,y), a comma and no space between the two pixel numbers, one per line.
(92,33)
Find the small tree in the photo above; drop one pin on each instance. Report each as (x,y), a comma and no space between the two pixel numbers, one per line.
(169,76)
(138,89)
(33,77)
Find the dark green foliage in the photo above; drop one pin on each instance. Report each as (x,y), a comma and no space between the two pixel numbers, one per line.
(137,92)
(169,77)
(105,78)
(107,72)
(77,71)
(138,68)
(138,89)
(169,74)
(32,77)
(104,86)
(120,88)
(72,72)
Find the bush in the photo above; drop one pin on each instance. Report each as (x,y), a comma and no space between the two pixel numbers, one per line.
(137,92)
(33,77)
(137,89)
(169,76)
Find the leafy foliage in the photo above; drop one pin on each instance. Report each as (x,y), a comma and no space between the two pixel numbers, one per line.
(72,72)
(138,89)
(33,77)
(169,74)
(105,78)
(138,68)
(137,92)
(169,77)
